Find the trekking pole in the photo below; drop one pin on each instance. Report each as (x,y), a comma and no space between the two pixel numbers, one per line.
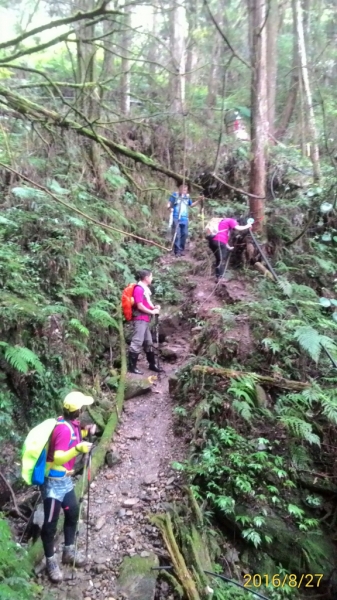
(88,497)
(80,510)
(176,230)
(257,245)
(30,518)
(157,343)
(202,211)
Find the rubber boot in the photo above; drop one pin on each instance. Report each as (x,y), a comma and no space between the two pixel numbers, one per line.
(152,364)
(68,557)
(53,570)
(132,368)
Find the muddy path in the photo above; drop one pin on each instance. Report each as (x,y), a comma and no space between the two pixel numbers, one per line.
(141,482)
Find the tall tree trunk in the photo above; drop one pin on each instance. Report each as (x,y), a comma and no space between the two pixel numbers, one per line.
(178,53)
(272,33)
(309,110)
(152,53)
(126,64)
(259,111)
(212,86)
(191,46)
(292,94)
(87,100)
(108,66)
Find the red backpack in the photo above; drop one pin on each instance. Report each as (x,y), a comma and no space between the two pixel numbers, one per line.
(128,301)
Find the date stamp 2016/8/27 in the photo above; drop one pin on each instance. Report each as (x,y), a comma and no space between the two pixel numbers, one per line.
(308,580)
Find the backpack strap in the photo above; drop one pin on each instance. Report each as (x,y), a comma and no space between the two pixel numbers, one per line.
(72,431)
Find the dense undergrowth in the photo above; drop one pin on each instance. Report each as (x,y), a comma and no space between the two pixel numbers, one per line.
(263,457)
(254,451)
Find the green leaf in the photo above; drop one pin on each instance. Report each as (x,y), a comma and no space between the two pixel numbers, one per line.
(54,186)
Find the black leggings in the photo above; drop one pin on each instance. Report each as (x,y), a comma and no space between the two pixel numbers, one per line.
(221,253)
(52,510)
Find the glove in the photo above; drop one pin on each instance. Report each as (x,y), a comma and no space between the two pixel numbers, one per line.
(83,447)
(91,429)
(250,221)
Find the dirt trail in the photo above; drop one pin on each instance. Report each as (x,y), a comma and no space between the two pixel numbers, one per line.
(141,482)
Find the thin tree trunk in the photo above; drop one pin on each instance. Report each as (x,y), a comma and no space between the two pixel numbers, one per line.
(191,47)
(259,104)
(178,53)
(108,67)
(292,94)
(126,64)
(272,33)
(309,111)
(152,54)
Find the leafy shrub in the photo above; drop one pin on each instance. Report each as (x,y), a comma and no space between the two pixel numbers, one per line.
(15,570)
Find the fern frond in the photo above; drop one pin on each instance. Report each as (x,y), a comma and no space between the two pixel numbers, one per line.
(300,429)
(312,341)
(285,286)
(271,344)
(21,358)
(243,409)
(78,326)
(102,318)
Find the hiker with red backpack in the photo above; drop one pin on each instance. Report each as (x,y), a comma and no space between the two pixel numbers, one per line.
(217,235)
(58,489)
(138,307)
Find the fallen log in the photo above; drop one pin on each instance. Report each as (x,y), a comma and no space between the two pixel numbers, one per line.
(280,382)
(36,551)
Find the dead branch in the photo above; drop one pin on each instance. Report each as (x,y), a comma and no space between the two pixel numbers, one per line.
(17,510)
(272,381)
(236,189)
(79,16)
(220,31)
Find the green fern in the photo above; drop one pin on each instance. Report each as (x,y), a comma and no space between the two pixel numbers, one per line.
(21,358)
(102,318)
(329,406)
(243,409)
(328,266)
(312,341)
(27,193)
(300,429)
(271,344)
(285,286)
(78,326)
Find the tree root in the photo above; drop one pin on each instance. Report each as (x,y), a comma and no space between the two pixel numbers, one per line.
(164,524)
(280,382)
(16,508)
(173,582)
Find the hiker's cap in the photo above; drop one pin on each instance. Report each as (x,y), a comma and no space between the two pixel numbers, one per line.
(75,400)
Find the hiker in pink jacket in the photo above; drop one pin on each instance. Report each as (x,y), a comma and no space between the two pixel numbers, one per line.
(219,243)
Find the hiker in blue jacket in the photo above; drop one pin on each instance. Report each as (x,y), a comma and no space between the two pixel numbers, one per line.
(179,203)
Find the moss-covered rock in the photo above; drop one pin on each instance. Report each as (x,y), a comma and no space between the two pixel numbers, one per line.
(136,579)
(137,387)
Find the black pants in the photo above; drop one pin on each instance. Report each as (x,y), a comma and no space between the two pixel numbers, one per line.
(221,253)
(52,510)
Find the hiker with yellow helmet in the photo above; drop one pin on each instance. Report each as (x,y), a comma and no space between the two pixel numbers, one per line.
(58,490)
